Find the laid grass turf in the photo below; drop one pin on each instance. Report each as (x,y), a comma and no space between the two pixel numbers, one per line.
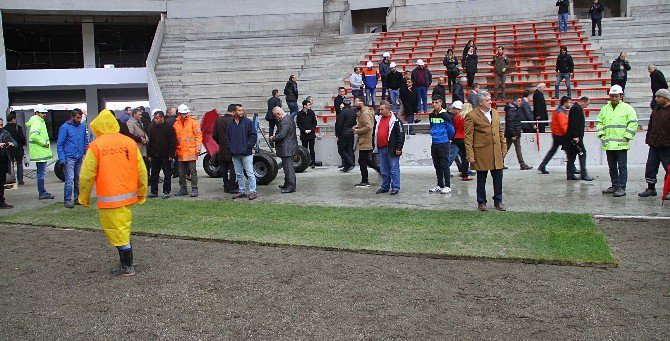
(550,237)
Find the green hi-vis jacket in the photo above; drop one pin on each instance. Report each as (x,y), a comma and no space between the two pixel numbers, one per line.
(38,140)
(616,126)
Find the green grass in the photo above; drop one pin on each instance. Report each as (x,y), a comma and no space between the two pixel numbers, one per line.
(546,237)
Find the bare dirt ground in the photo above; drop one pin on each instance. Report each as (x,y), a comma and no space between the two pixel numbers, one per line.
(55,284)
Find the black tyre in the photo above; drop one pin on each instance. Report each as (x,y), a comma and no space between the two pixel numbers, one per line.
(211,166)
(301,159)
(374,162)
(265,168)
(59,169)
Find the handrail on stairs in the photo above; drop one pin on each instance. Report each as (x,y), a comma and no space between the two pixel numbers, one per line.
(156,99)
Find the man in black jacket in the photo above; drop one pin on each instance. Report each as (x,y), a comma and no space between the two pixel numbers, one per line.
(440,91)
(337,103)
(459,90)
(620,68)
(596,14)
(273,102)
(409,98)
(161,149)
(306,122)
(389,139)
(286,143)
(7,143)
(291,93)
(394,81)
(224,157)
(344,131)
(540,106)
(16,131)
(564,67)
(658,82)
(573,141)
(513,130)
(526,113)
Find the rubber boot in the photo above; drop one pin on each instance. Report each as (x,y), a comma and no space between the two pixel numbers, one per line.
(126,267)
(570,171)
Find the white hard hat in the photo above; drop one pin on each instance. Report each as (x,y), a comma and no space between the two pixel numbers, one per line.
(616,90)
(153,112)
(392,65)
(386,55)
(183,109)
(369,64)
(420,62)
(458,105)
(41,108)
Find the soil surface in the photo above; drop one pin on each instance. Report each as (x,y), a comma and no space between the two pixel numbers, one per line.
(55,284)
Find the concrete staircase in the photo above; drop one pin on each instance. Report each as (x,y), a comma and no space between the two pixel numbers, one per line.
(643,36)
(205,66)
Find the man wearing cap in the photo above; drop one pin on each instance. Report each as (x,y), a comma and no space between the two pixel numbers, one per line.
(114,163)
(370,76)
(422,79)
(160,149)
(344,131)
(617,124)
(658,139)
(394,81)
(384,70)
(440,91)
(189,142)
(39,148)
(441,133)
(356,82)
(459,90)
(71,146)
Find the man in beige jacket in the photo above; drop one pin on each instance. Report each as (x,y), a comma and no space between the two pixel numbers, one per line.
(365,121)
(485,149)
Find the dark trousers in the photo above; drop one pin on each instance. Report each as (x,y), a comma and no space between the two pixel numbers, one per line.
(656,157)
(309,144)
(363,160)
(464,165)
(289,172)
(4,163)
(229,176)
(557,143)
(19,168)
(517,148)
(440,155)
(617,160)
(471,79)
(497,175)
(147,165)
(620,82)
(345,147)
(653,103)
(384,89)
(594,23)
(271,128)
(572,156)
(452,75)
(158,163)
(175,168)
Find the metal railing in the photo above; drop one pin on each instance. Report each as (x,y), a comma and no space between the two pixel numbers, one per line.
(156,99)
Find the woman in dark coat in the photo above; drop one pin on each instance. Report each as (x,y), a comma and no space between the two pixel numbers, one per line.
(620,68)
(470,61)
(451,62)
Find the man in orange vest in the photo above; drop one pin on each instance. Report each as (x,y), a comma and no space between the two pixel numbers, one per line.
(115,164)
(559,126)
(189,143)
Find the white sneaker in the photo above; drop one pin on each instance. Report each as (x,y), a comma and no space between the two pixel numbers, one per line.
(446,190)
(437,189)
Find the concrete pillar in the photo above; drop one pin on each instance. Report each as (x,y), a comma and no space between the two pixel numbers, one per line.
(4,93)
(572,9)
(88,37)
(92,104)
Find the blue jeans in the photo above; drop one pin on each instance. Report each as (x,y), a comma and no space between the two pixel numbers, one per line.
(71,173)
(41,175)
(370,96)
(389,166)
(293,108)
(559,78)
(563,22)
(394,94)
(453,154)
(422,99)
(242,164)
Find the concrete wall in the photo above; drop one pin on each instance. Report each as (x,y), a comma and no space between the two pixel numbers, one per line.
(417,151)
(52,79)
(423,10)
(83,6)
(367,4)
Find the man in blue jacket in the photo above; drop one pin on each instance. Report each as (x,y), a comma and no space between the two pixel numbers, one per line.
(242,138)
(441,133)
(71,146)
